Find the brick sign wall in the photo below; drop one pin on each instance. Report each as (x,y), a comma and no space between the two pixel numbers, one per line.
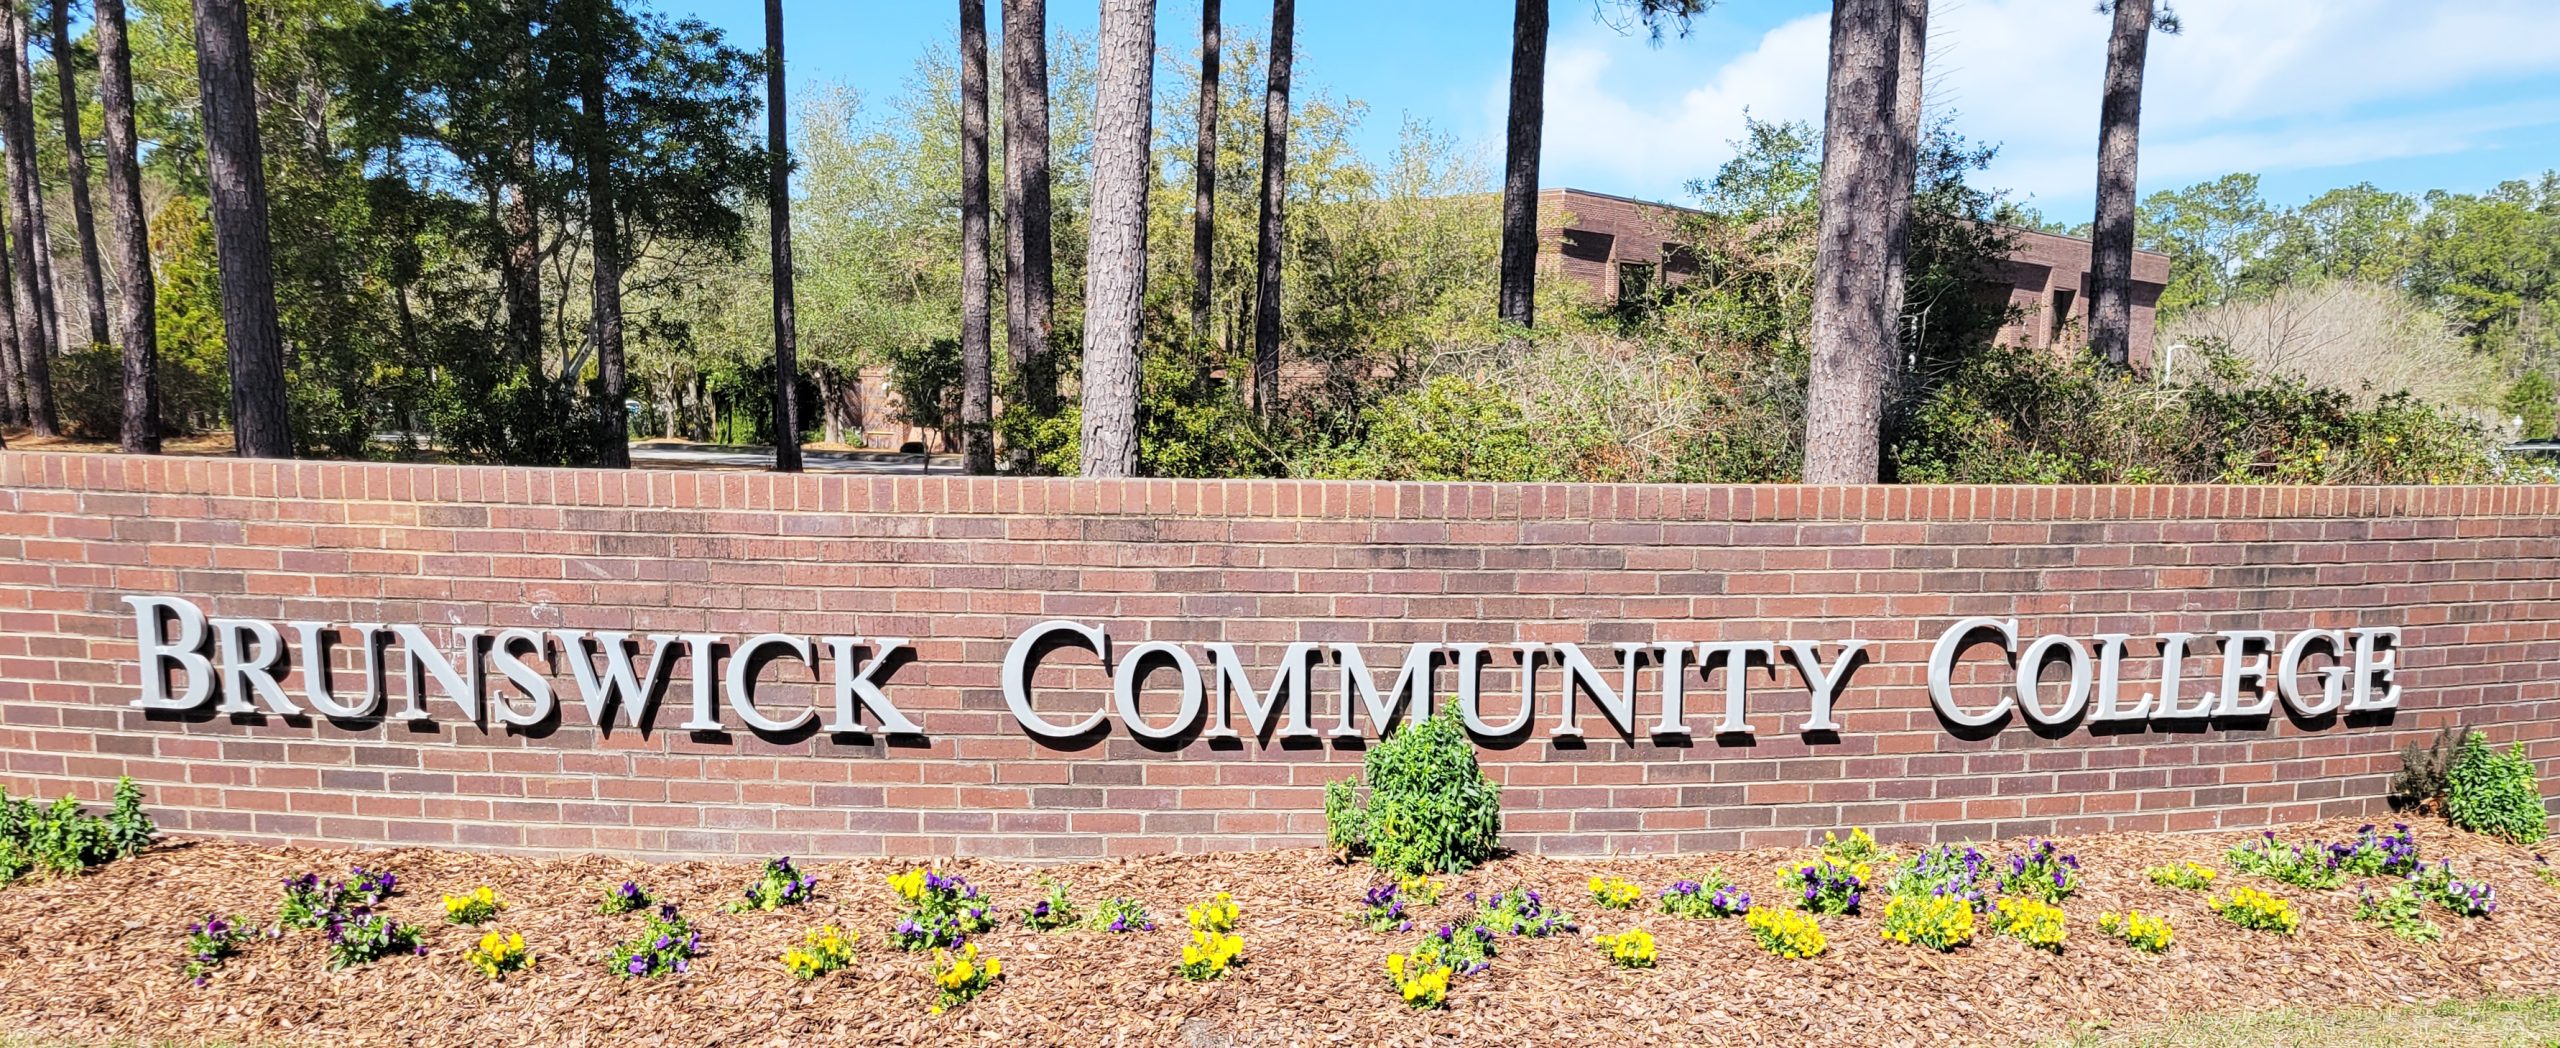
(963,567)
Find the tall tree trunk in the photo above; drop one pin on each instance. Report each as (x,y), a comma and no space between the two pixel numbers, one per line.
(26,235)
(76,153)
(1116,261)
(49,306)
(1520,163)
(1204,181)
(1910,83)
(520,266)
(977,368)
(13,391)
(613,436)
(136,297)
(236,175)
(1029,284)
(1853,337)
(1275,193)
(786,320)
(2111,235)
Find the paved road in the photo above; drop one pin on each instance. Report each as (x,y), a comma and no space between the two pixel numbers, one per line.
(732,457)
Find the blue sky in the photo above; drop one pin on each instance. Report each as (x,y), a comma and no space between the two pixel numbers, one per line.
(2310,94)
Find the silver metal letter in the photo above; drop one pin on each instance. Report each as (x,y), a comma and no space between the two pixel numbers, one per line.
(1675,689)
(156,654)
(245,672)
(702,654)
(2239,666)
(1823,685)
(2031,678)
(2173,669)
(2111,682)
(1017,676)
(1578,670)
(1288,692)
(636,694)
(420,657)
(1125,689)
(2377,659)
(535,686)
(1472,715)
(1413,684)
(741,689)
(318,689)
(1737,678)
(2333,677)
(857,688)
(1942,667)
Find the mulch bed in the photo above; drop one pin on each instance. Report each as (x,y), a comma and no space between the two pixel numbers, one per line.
(95,958)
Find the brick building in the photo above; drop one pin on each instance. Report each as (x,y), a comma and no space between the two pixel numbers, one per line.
(1618,246)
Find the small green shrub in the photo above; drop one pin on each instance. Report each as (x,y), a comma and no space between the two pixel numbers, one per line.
(2495,793)
(64,839)
(2400,910)
(1430,808)
(2420,785)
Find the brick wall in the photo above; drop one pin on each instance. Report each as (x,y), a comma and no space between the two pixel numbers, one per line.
(962,565)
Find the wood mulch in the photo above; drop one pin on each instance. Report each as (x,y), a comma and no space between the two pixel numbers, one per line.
(96,958)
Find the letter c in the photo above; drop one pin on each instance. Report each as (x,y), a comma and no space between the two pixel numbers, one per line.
(1942,664)
(1019,664)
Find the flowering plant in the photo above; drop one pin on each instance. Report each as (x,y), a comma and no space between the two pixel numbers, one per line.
(780,885)
(2251,908)
(2375,854)
(362,937)
(2293,864)
(478,907)
(1632,948)
(624,899)
(1382,909)
(1860,846)
(962,976)
(1521,911)
(1210,954)
(2194,877)
(670,945)
(311,903)
(2147,934)
(1939,922)
(1785,932)
(2464,898)
(496,955)
(2542,868)
(2030,921)
(209,943)
(1466,948)
(1120,915)
(1054,910)
(1713,897)
(1421,889)
(821,950)
(1214,916)
(2044,872)
(942,909)
(1422,982)
(1827,886)
(1947,870)
(2400,910)
(1615,893)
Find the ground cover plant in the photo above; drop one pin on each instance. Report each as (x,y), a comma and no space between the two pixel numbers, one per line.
(312,904)
(2254,909)
(2149,934)
(623,899)
(2472,898)
(1053,911)
(1428,807)
(210,942)
(359,937)
(479,906)
(1616,893)
(1119,916)
(1632,948)
(2043,872)
(962,975)
(2400,910)
(2031,921)
(1939,922)
(2192,876)
(1714,896)
(781,884)
(1952,870)
(498,953)
(1827,885)
(667,947)
(1786,933)
(1522,911)
(824,949)
(63,839)
(2303,867)
(943,909)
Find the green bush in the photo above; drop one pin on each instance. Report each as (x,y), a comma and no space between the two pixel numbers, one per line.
(2495,793)
(1430,808)
(63,839)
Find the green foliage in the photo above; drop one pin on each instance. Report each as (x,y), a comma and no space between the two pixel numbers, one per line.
(2194,877)
(1121,915)
(668,946)
(2147,934)
(63,839)
(2400,910)
(2495,793)
(363,938)
(2258,911)
(1054,911)
(2035,923)
(1939,922)
(2294,864)
(2535,402)
(1429,808)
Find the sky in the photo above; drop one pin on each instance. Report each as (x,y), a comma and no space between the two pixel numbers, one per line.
(2309,94)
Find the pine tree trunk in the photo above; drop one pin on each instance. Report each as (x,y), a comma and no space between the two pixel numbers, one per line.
(520,267)
(26,236)
(1204,180)
(49,305)
(1519,265)
(1910,84)
(1116,261)
(76,154)
(1853,337)
(786,321)
(613,436)
(1275,194)
(1028,261)
(2111,236)
(236,177)
(13,392)
(977,368)
(136,297)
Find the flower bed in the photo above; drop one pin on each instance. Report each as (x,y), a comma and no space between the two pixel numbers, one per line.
(100,956)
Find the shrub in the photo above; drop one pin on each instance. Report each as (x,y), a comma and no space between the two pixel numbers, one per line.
(669,946)
(1785,932)
(780,885)
(1216,915)
(1522,912)
(1121,915)
(1713,897)
(941,909)
(1054,911)
(1430,809)
(2377,854)
(2043,872)
(2257,910)
(961,977)
(2147,934)
(1947,870)
(1939,922)
(363,938)
(624,899)
(209,943)
(2495,793)
(2194,877)
(1616,893)
(496,955)
(1632,948)
(1210,954)
(478,907)
(65,839)
(2400,910)
(821,950)
(1827,887)
(2031,921)
(1422,982)
(2420,785)
(2296,865)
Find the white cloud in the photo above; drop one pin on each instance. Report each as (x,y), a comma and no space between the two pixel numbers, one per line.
(2250,85)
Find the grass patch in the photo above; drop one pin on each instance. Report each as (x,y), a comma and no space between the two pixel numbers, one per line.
(2532,1022)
